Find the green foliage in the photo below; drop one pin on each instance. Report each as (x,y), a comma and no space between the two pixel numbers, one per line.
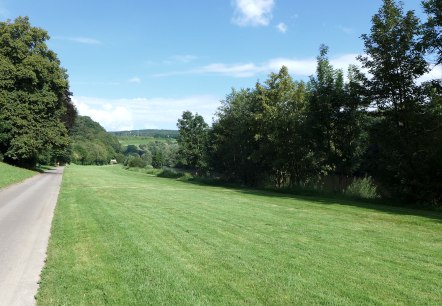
(35,107)
(407,135)
(362,188)
(169,173)
(140,140)
(432,38)
(135,136)
(291,132)
(192,141)
(136,162)
(155,153)
(92,145)
(335,119)
(388,125)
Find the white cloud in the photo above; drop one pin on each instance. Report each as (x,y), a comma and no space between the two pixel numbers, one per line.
(80,40)
(298,67)
(252,12)
(282,27)
(239,70)
(135,80)
(143,113)
(346,30)
(112,117)
(184,59)
(435,73)
(85,40)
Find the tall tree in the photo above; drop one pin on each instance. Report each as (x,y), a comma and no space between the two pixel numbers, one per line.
(234,139)
(403,133)
(433,28)
(334,120)
(35,106)
(280,125)
(192,141)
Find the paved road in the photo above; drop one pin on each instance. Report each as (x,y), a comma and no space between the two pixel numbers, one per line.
(26,212)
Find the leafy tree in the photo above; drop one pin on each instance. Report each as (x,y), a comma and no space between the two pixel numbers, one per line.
(395,60)
(35,107)
(335,116)
(432,39)
(405,129)
(280,122)
(192,141)
(234,139)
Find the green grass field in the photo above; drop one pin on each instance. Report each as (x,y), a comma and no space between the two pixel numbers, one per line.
(140,140)
(126,238)
(11,175)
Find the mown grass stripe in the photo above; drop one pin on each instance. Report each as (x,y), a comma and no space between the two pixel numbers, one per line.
(176,243)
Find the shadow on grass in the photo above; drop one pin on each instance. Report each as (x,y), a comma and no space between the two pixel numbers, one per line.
(43,168)
(324,199)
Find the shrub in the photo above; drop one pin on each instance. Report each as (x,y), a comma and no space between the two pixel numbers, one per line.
(363,188)
(152,171)
(186,176)
(167,173)
(136,162)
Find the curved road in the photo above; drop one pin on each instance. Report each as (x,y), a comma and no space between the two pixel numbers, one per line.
(26,211)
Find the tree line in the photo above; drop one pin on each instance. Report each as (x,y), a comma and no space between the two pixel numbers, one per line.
(380,124)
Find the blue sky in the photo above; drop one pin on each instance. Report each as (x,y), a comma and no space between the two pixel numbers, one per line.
(137,64)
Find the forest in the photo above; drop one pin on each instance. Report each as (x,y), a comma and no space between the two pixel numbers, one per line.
(374,130)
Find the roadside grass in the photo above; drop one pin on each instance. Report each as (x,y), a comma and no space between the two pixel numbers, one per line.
(126,238)
(10,175)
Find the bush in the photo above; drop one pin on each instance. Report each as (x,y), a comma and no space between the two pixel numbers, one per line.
(136,162)
(363,188)
(169,174)
(152,171)
(186,176)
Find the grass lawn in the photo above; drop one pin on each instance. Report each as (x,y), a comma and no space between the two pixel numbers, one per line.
(10,174)
(126,238)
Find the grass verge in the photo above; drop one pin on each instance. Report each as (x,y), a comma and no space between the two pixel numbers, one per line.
(125,238)
(10,175)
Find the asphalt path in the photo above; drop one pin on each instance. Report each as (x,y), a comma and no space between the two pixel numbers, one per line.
(26,212)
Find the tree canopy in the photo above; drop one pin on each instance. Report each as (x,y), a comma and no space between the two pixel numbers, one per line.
(192,141)
(36,112)
(357,133)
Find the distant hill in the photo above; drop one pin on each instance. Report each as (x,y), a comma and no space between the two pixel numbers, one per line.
(91,144)
(148,133)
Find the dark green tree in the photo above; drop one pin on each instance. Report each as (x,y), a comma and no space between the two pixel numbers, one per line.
(35,107)
(192,141)
(432,39)
(280,122)
(405,130)
(335,122)
(234,139)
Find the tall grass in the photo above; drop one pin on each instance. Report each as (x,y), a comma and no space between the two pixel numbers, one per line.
(362,188)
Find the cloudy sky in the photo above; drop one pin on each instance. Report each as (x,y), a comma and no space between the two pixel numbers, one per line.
(136,64)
